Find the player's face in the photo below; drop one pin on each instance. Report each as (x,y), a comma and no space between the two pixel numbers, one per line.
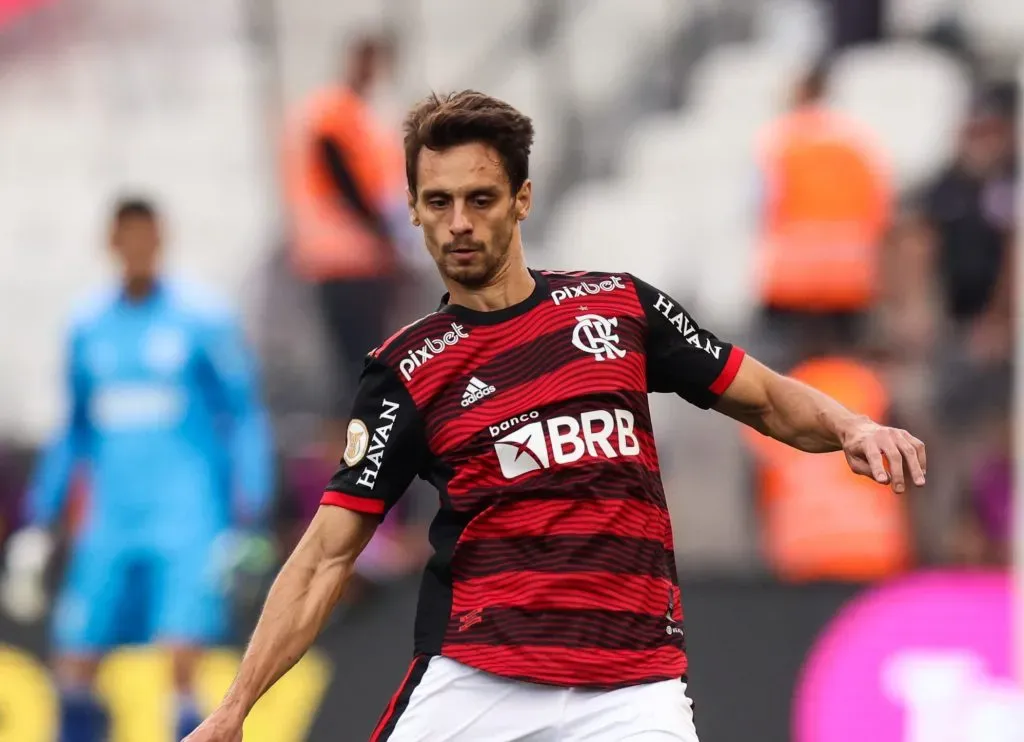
(135,241)
(467,210)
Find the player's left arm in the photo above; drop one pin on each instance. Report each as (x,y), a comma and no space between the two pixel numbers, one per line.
(690,361)
(804,418)
(235,373)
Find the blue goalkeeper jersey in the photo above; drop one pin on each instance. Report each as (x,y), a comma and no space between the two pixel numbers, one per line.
(165,416)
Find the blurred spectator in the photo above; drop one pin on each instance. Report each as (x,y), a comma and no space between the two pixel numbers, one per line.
(855,21)
(344,189)
(983,529)
(826,207)
(953,252)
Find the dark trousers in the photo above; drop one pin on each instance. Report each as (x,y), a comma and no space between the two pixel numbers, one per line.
(355,314)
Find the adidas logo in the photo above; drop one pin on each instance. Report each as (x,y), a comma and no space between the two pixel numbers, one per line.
(476,391)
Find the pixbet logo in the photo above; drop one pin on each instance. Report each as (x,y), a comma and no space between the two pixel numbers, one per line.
(586,289)
(430,348)
(563,440)
(596,335)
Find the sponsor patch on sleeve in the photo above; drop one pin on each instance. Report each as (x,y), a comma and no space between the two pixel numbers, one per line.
(357,443)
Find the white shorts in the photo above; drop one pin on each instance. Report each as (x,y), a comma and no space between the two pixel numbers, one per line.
(441,700)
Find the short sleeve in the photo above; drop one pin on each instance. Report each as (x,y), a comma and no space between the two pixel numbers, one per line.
(682,357)
(385,445)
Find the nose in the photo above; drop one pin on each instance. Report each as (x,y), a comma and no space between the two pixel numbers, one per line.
(460,220)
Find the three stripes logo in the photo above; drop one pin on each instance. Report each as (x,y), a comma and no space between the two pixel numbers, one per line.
(475,391)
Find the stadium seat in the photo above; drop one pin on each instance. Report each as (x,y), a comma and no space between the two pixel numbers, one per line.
(607,226)
(605,45)
(795,27)
(913,17)
(746,82)
(526,87)
(664,146)
(911,96)
(714,210)
(997,24)
(310,35)
(488,38)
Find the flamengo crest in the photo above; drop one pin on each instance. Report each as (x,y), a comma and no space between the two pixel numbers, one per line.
(596,335)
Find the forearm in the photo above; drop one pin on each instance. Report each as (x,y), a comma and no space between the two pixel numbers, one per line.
(51,480)
(295,611)
(802,417)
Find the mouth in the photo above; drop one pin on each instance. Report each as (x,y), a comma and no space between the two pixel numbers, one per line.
(464,254)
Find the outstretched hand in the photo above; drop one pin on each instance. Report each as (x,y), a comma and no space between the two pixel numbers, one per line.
(869,447)
(220,726)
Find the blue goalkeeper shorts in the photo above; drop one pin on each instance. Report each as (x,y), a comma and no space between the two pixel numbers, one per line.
(115,595)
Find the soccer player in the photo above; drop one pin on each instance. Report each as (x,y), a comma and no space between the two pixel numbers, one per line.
(550,609)
(166,419)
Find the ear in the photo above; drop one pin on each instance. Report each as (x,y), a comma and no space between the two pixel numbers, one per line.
(411,199)
(524,201)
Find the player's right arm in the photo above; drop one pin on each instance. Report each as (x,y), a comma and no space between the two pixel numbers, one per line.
(23,594)
(52,477)
(386,449)
(300,600)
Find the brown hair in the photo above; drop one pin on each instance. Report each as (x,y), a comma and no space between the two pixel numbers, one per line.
(442,121)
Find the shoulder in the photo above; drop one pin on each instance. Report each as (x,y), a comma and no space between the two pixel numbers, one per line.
(200,305)
(406,338)
(90,309)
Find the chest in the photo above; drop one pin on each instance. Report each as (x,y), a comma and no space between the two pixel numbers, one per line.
(571,373)
(138,349)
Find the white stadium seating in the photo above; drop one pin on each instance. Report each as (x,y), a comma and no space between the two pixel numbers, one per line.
(912,97)
(606,44)
(997,24)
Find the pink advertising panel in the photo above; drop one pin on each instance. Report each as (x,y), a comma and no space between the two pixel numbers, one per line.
(11,9)
(927,658)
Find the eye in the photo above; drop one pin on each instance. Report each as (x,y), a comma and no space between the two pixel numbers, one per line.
(481,202)
(437,202)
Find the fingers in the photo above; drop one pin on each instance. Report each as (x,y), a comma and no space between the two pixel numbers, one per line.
(890,449)
(913,453)
(873,454)
(922,454)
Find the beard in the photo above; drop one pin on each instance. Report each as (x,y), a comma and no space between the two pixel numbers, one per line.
(480,265)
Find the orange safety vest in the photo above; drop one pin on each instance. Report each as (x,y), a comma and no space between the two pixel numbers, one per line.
(828,206)
(820,521)
(330,240)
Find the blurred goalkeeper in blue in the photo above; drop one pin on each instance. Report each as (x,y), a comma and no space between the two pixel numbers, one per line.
(166,419)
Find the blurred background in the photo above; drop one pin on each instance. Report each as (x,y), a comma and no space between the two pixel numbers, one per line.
(831,184)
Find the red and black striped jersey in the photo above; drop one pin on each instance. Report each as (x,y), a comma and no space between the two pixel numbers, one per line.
(553,552)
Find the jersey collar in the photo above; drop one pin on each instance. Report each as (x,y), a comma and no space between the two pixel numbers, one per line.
(541,291)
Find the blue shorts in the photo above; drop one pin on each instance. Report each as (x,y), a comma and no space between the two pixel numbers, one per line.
(114,595)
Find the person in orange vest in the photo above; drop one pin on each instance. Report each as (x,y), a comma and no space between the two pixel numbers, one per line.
(826,210)
(818,521)
(344,190)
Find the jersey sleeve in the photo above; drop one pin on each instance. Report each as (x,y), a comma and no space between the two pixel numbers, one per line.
(53,474)
(682,357)
(386,445)
(235,374)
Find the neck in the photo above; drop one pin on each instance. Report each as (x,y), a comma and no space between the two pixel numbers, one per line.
(138,289)
(511,285)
